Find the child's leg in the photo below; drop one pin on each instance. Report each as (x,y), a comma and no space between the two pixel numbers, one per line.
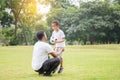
(61,63)
(56,49)
(61,66)
(61,57)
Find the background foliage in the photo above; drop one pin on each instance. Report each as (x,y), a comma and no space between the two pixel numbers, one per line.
(92,22)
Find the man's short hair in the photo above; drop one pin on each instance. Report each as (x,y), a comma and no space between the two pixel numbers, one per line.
(40,35)
(56,22)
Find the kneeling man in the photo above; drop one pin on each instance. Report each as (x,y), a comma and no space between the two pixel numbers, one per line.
(41,62)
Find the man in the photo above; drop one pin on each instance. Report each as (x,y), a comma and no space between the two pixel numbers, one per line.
(40,60)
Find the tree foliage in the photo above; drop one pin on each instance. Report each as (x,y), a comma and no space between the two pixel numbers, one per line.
(91,23)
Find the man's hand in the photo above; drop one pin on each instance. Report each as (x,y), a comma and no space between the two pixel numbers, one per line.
(54,54)
(60,50)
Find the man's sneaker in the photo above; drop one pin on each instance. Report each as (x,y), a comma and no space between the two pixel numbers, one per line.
(60,70)
(40,73)
(46,74)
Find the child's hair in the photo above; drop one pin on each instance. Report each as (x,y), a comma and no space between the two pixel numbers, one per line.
(56,22)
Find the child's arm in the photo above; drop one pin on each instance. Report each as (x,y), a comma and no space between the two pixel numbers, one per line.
(59,41)
(62,38)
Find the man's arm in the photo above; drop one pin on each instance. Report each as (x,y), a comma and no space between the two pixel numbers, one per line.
(55,54)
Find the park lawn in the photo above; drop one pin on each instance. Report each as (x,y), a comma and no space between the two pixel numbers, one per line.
(96,62)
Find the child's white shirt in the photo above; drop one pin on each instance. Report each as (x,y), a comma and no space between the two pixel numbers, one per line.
(59,35)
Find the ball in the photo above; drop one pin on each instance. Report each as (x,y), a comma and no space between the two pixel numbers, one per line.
(52,40)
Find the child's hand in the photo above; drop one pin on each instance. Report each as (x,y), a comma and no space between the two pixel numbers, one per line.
(55,41)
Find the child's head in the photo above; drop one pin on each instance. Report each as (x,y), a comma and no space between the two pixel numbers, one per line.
(55,25)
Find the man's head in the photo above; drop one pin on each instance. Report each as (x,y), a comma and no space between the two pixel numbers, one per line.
(41,35)
(55,25)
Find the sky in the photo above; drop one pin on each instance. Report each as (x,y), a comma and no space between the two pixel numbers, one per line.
(43,9)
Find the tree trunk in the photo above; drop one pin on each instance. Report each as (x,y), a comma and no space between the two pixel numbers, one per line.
(15,31)
(118,42)
(84,42)
(26,43)
(91,42)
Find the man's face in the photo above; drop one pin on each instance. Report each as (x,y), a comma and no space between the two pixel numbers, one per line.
(45,36)
(54,26)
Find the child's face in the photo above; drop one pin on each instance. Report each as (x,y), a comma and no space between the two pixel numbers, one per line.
(54,27)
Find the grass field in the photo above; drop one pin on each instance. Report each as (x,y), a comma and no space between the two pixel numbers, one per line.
(98,62)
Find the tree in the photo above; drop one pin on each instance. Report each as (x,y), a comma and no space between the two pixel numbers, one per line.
(96,21)
(16,7)
(28,18)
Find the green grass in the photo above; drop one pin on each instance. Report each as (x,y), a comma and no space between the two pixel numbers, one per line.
(98,62)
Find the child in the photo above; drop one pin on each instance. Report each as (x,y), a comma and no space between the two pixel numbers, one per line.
(58,38)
